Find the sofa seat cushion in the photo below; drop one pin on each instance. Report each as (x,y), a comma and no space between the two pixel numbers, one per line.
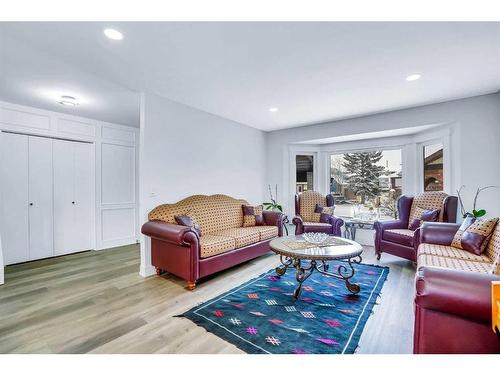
(400,236)
(453,263)
(451,252)
(242,236)
(211,244)
(314,224)
(266,232)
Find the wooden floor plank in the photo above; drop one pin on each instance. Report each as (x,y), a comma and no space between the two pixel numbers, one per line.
(96,302)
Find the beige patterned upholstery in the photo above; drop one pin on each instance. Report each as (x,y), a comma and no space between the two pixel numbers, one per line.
(242,236)
(431,200)
(493,249)
(454,263)
(451,252)
(307,204)
(212,212)
(266,232)
(403,232)
(483,227)
(211,245)
(313,223)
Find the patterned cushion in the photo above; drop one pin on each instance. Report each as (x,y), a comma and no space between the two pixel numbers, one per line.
(211,212)
(252,216)
(475,238)
(431,200)
(425,215)
(241,236)
(457,238)
(401,236)
(454,263)
(493,249)
(307,203)
(211,245)
(451,252)
(266,232)
(322,214)
(315,224)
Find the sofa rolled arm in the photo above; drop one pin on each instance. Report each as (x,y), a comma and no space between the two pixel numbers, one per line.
(438,233)
(466,294)
(275,218)
(173,233)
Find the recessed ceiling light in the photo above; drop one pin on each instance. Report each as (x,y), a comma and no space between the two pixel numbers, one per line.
(113,34)
(273,109)
(413,77)
(69,101)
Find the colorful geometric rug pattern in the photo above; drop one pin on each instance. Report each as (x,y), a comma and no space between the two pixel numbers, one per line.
(261,316)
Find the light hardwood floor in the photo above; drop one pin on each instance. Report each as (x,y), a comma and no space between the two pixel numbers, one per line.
(96,302)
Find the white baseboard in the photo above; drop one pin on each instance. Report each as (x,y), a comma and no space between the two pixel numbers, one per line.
(146,271)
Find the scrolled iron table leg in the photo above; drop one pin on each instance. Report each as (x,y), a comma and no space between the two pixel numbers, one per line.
(343,273)
(301,275)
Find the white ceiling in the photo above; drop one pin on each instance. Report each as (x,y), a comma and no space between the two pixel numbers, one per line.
(313,72)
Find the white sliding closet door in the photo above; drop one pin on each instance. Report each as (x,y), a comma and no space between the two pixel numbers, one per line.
(40,182)
(14,219)
(72,197)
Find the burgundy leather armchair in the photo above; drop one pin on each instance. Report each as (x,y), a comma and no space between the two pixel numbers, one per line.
(394,236)
(305,203)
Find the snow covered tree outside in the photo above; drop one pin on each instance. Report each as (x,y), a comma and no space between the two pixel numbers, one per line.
(363,173)
(372,180)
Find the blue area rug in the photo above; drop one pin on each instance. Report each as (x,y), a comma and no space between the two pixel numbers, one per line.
(261,316)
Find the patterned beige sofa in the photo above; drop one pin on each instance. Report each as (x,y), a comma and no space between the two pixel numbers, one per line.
(435,250)
(222,243)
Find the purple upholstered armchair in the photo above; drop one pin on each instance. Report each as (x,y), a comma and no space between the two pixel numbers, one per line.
(305,205)
(395,236)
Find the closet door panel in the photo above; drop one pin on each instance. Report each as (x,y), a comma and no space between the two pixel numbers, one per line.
(40,182)
(82,197)
(64,182)
(14,218)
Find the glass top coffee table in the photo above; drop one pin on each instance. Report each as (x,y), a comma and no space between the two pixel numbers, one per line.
(293,250)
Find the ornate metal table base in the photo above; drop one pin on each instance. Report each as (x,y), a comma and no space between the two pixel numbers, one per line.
(302,274)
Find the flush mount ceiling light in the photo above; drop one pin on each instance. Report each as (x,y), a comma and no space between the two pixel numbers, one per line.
(273,109)
(413,77)
(113,34)
(69,101)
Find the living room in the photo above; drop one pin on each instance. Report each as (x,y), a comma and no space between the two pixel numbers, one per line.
(186,187)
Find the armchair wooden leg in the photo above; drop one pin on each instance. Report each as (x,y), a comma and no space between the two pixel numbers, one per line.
(379,255)
(191,285)
(158,271)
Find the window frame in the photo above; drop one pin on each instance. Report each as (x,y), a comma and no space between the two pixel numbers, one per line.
(445,141)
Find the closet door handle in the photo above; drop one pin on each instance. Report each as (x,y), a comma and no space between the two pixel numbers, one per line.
(31,203)
(73,202)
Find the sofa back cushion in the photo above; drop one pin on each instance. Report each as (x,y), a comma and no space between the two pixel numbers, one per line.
(493,249)
(431,200)
(307,204)
(212,212)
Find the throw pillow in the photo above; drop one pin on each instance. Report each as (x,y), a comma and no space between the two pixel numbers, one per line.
(457,238)
(475,237)
(322,214)
(252,216)
(425,215)
(188,221)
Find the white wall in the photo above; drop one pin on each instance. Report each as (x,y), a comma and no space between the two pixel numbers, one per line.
(115,214)
(475,142)
(186,151)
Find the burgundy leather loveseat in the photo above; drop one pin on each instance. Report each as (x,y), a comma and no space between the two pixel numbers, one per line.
(223,242)
(305,205)
(453,294)
(395,236)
